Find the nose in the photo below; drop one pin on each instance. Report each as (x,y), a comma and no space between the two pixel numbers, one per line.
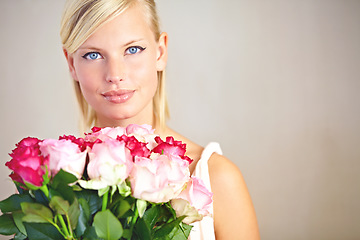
(115,71)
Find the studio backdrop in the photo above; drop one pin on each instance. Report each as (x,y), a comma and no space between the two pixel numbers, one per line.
(275,82)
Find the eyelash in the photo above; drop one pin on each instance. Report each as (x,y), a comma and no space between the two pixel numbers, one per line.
(140,49)
(86,55)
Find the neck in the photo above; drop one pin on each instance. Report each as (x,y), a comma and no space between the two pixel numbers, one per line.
(124,122)
(150,120)
(146,116)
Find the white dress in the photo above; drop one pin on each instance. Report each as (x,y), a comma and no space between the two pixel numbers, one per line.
(204,230)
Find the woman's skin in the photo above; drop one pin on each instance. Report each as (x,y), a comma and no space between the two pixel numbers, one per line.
(116,68)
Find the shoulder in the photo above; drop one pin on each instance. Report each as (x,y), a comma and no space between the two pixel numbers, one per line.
(234,215)
(226,178)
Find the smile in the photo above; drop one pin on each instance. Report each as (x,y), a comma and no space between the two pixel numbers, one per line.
(118,96)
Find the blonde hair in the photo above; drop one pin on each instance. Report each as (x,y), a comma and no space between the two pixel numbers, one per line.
(81,18)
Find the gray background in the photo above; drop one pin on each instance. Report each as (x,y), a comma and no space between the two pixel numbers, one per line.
(276,82)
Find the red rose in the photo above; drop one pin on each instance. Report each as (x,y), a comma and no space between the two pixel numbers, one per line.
(82,144)
(171,147)
(27,163)
(136,148)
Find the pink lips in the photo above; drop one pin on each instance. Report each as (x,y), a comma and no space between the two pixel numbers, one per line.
(118,96)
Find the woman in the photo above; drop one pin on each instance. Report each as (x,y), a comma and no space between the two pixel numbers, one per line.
(117,57)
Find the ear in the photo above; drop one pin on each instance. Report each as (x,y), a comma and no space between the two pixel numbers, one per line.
(162,52)
(70,61)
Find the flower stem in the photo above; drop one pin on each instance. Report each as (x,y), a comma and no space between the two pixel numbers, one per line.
(104,201)
(45,190)
(63,225)
(133,221)
(59,230)
(69,226)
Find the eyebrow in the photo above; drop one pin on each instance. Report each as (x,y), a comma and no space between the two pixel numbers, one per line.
(124,45)
(133,41)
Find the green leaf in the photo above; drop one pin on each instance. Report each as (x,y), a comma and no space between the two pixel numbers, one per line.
(18,215)
(90,196)
(21,190)
(59,205)
(126,234)
(169,230)
(186,229)
(35,212)
(61,186)
(63,190)
(42,231)
(182,232)
(7,225)
(20,236)
(13,202)
(40,197)
(90,234)
(84,217)
(142,230)
(120,207)
(107,226)
(63,177)
(74,212)
(152,215)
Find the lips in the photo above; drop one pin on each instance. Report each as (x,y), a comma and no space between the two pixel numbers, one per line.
(118,96)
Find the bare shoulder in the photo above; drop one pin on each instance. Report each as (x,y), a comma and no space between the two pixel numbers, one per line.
(234,214)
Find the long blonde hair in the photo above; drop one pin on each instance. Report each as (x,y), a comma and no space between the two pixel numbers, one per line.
(81,18)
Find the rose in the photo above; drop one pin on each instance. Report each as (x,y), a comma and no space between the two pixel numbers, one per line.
(194,201)
(141,130)
(143,133)
(28,165)
(104,134)
(110,163)
(83,145)
(136,148)
(171,147)
(64,154)
(158,178)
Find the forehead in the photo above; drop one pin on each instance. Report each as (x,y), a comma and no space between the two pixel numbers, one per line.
(127,26)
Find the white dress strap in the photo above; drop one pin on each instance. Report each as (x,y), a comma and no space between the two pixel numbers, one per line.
(204,230)
(202,170)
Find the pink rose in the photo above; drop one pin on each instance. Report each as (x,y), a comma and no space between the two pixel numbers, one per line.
(158,178)
(143,133)
(194,201)
(139,129)
(64,154)
(172,147)
(110,163)
(27,163)
(104,134)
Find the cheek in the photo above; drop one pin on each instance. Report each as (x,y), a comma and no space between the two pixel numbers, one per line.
(146,70)
(87,76)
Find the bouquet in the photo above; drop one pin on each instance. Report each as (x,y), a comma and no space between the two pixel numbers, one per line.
(115,183)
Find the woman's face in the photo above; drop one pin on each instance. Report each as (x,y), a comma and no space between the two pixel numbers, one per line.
(117,66)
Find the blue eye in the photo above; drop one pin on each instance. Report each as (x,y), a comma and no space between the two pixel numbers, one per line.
(92,55)
(133,50)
